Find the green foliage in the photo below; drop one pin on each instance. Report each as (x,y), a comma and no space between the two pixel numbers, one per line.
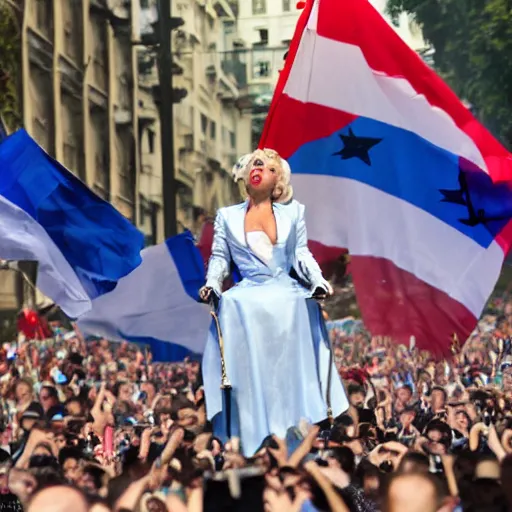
(10,66)
(473,52)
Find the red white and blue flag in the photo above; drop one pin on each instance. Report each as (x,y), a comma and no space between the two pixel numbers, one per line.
(392,167)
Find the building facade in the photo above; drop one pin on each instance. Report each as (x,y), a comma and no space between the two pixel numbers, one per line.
(88,97)
(266,28)
(210,131)
(77,91)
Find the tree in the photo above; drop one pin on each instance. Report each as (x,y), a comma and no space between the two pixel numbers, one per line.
(473,52)
(10,65)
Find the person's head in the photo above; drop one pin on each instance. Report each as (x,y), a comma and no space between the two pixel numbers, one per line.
(152,503)
(414,462)
(487,467)
(23,391)
(356,395)
(92,478)
(74,407)
(70,460)
(486,494)
(404,394)
(48,397)
(415,492)
(149,387)
(58,498)
(506,476)
(123,391)
(32,415)
(439,437)
(438,398)
(507,375)
(184,412)
(407,417)
(43,449)
(369,478)
(265,174)
(462,420)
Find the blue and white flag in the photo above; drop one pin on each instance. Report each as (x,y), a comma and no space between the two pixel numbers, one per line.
(157,304)
(82,243)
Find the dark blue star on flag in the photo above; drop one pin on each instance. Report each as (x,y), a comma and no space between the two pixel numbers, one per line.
(356,147)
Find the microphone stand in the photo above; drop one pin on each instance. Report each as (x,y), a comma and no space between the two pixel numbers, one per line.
(225,383)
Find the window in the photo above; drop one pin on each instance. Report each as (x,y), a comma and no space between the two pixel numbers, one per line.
(70,155)
(286,6)
(204,124)
(232,139)
(261,69)
(263,36)
(151,141)
(213,130)
(259,6)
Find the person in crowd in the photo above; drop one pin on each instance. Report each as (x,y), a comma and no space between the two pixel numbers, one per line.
(120,433)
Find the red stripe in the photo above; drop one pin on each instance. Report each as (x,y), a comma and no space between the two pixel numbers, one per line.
(357,22)
(295,123)
(394,302)
(283,77)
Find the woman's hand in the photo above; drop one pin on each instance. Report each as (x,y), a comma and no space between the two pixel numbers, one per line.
(205,293)
(323,291)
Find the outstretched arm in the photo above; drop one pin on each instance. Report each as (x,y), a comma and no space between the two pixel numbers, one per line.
(218,266)
(305,264)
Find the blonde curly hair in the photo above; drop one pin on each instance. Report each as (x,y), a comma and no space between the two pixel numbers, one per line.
(283,191)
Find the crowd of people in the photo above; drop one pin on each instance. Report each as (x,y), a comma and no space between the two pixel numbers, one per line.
(95,426)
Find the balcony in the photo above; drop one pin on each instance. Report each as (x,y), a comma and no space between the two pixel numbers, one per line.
(227,87)
(117,12)
(223,9)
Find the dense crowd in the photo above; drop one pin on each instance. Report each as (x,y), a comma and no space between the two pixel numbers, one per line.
(95,426)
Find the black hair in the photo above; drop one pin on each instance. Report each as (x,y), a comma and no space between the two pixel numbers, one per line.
(355,388)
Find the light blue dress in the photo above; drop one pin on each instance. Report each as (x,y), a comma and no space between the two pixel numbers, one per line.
(276,352)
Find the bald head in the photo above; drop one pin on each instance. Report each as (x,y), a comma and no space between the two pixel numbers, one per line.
(412,493)
(58,498)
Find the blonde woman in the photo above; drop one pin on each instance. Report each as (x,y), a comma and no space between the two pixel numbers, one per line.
(276,355)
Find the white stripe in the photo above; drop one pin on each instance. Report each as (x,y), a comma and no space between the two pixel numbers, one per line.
(336,75)
(22,238)
(313,17)
(369,222)
(150,302)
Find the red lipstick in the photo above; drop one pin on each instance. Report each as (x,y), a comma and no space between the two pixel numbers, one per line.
(255,177)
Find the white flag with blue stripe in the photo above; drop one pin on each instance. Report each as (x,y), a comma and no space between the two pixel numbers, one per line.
(157,304)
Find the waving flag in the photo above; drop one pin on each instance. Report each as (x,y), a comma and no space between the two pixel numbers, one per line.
(392,166)
(157,304)
(83,245)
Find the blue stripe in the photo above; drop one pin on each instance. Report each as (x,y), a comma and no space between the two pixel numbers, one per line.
(410,168)
(97,241)
(163,351)
(188,261)
(190,266)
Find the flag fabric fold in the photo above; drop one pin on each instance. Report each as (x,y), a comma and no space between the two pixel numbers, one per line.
(392,167)
(157,304)
(82,243)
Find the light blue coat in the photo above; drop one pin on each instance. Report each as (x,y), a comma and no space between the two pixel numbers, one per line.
(276,353)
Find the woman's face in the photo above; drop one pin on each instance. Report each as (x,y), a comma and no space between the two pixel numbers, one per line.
(462,421)
(263,174)
(23,393)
